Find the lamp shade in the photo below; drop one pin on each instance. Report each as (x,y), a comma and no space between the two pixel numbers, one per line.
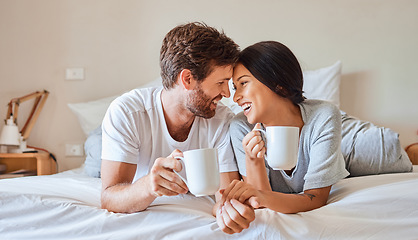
(10,134)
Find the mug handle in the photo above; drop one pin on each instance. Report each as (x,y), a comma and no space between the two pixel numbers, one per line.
(181,159)
(260,130)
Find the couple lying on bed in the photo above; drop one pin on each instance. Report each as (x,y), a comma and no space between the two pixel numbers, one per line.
(145,129)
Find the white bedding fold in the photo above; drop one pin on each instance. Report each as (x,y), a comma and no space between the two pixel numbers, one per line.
(67,206)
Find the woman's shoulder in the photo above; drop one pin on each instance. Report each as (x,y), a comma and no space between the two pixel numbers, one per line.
(319,104)
(319,111)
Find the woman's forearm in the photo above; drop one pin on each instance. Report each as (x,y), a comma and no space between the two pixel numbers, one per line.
(257,174)
(294,203)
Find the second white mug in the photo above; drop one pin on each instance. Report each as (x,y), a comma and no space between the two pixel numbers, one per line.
(282,145)
(202,171)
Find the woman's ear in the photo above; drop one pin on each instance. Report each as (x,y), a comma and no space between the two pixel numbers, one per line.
(186,79)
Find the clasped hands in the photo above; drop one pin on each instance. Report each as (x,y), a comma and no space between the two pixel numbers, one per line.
(235,210)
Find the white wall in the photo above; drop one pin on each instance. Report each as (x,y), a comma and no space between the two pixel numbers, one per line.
(117,42)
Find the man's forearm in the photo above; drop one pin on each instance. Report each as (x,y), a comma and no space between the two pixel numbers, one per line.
(127,197)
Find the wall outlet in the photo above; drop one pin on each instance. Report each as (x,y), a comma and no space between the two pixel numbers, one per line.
(74,150)
(74,74)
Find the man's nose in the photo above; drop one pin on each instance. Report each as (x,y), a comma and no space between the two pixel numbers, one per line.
(225,90)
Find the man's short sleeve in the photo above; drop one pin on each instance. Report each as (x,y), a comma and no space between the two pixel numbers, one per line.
(222,142)
(118,140)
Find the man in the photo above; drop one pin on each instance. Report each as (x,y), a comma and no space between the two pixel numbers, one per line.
(144,130)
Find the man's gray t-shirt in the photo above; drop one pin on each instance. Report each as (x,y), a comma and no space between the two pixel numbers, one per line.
(320,161)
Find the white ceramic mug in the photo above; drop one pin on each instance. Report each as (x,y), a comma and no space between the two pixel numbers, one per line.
(282,145)
(202,171)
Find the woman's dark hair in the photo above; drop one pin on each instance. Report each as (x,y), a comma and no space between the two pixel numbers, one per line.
(273,64)
(197,47)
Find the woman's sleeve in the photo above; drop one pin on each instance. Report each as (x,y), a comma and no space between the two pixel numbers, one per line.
(326,164)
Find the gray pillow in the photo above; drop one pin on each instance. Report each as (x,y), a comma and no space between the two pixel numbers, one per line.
(93,149)
(369,149)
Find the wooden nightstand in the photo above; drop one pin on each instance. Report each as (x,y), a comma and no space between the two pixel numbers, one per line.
(40,162)
(412,151)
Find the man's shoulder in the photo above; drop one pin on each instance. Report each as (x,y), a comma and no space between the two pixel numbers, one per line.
(139,99)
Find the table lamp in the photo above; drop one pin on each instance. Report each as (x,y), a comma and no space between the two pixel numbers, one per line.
(11,140)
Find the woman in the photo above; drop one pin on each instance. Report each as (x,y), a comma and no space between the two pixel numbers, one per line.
(268,82)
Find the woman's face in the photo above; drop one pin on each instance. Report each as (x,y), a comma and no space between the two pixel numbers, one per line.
(254,97)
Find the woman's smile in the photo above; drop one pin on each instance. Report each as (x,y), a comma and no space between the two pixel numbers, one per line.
(246,107)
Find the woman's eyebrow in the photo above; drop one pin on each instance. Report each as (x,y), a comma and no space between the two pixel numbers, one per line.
(242,77)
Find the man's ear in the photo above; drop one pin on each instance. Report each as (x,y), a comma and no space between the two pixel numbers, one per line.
(186,79)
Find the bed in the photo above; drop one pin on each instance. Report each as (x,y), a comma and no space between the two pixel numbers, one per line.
(67,205)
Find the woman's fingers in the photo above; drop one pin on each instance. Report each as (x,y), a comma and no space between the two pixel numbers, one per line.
(239,190)
(229,190)
(251,134)
(253,143)
(261,153)
(251,197)
(253,202)
(257,149)
(249,137)
(254,146)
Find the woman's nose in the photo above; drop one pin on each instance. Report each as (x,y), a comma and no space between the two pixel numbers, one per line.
(237,96)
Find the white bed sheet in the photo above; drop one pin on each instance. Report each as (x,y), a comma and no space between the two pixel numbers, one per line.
(67,206)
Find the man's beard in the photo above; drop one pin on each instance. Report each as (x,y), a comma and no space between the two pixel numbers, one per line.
(199,103)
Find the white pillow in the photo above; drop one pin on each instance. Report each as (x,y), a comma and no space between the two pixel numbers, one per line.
(323,83)
(90,114)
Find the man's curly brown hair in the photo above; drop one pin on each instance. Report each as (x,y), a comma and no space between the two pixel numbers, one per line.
(197,47)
